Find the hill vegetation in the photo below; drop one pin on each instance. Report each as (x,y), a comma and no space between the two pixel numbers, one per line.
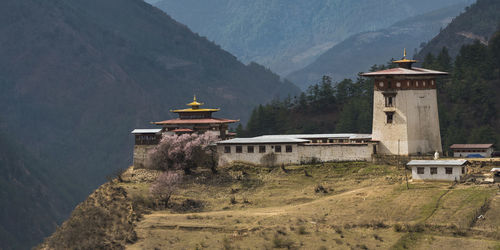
(333,205)
(360,51)
(468,101)
(479,22)
(77,76)
(286,35)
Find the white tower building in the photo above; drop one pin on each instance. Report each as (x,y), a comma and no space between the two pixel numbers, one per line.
(405,110)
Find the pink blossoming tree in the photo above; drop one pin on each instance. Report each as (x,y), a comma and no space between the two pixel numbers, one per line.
(184,152)
(164,186)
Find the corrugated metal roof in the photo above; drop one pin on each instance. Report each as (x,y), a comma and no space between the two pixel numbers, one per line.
(471,146)
(262,139)
(146,131)
(404,71)
(295,138)
(436,162)
(324,136)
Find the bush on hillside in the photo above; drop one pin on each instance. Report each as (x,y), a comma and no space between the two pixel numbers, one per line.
(163,188)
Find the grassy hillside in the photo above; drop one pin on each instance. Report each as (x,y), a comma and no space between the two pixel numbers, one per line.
(358,52)
(286,35)
(335,205)
(77,76)
(478,22)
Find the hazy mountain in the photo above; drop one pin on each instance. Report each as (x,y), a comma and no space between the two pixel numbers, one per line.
(479,22)
(77,76)
(286,35)
(358,52)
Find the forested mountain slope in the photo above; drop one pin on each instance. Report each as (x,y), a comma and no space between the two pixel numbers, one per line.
(360,51)
(77,76)
(286,35)
(468,101)
(479,22)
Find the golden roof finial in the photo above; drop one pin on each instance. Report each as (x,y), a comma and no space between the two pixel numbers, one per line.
(404,53)
(194,98)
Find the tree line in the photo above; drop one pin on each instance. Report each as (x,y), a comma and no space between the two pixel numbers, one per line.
(467,98)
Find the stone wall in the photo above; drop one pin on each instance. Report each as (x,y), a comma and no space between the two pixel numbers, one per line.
(140,154)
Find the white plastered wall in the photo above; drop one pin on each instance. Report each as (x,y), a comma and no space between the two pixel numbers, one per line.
(415,127)
(441,173)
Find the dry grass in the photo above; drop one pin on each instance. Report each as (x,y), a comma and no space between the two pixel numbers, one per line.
(276,208)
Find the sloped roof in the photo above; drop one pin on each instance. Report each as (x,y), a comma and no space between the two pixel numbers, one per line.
(436,162)
(196,121)
(146,131)
(404,71)
(295,138)
(471,146)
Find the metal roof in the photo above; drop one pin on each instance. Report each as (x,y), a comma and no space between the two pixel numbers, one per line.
(323,136)
(495,170)
(146,131)
(262,139)
(295,138)
(436,162)
(404,71)
(471,146)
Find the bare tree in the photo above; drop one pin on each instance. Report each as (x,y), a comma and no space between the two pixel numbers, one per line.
(165,185)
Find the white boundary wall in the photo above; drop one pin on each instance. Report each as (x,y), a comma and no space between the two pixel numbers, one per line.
(301,153)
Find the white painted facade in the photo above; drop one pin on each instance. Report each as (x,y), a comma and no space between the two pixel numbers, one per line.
(438,170)
(302,150)
(415,126)
(465,152)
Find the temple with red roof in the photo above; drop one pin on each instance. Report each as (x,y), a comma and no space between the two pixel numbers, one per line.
(197,120)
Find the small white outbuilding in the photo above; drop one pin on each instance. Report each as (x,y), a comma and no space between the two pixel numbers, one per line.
(439,170)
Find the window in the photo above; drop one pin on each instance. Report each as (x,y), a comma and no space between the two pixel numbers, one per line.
(389,101)
(434,170)
(389,84)
(262,149)
(288,148)
(449,170)
(227,149)
(463,170)
(239,149)
(420,170)
(277,149)
(390,116)
(250,149)
(324,140)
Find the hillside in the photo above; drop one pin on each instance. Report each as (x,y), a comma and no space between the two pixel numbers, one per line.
(479,22)
(355,205)
(29,207)
(77,76)
(358,52)
(286,35)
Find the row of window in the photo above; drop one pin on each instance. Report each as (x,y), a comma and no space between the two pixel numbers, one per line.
(262,149)
(470,150)
(408,84)
(421,170)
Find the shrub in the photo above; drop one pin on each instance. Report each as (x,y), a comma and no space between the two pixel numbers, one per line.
(282,242)
(320,189)
(302,230)
(397,227)
(189,205)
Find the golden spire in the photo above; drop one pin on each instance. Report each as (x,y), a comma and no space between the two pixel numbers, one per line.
(194,98)
(404,53)
(405,63)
